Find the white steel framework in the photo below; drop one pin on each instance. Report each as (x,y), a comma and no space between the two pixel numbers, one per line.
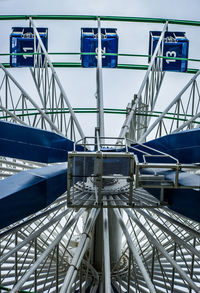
(142,248)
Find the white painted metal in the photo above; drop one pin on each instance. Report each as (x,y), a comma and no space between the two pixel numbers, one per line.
(126,125)
(58,81)
(27,96)
(100,114)
(135,253)
(51,251)
(106,250)
(158,120)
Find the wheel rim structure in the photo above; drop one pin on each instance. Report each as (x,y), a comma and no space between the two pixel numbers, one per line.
(53,250)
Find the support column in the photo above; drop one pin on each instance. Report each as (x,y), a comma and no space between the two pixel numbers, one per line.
(100,114)
(115,237)
(113,224)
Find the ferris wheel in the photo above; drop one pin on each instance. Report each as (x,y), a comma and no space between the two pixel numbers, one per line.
(98,214)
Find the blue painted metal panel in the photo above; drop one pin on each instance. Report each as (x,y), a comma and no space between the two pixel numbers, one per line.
(185,178)
(28,143)
(184,145)
(30,191)
(22,41)
(175,45)
(38,145)
(184,201)
(89,43)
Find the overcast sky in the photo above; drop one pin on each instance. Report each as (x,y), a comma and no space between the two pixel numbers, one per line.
(119,85)
(149,8)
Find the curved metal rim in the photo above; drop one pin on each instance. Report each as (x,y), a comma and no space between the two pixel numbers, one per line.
(102,18)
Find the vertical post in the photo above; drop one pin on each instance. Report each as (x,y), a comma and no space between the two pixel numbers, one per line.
(16,259)
(0,270)
(193,100)
(178,114)
(115,240)
(57,267)
(99,159)
(152,264)
(23,107)
(69,177)
(6,92)
(192,262)
(35,257)
(173,270)
(100,114)
(129,271)
(106,250)
(81,278)
(131,174)
(35,50)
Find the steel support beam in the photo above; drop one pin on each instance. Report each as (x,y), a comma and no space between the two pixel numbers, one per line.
(33,235)
(175,238)
(27,96)
(48,250)
(73,115)
(106,250)
(135,253)
(100,114)
(160,248)
(175,100)
(78,256)
(126,126)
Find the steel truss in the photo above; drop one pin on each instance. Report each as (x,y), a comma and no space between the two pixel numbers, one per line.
(184,111)
(144,102)
(52,250)
(51,96)
(40,254)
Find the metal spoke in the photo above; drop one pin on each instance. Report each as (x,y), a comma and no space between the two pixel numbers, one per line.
(106,233)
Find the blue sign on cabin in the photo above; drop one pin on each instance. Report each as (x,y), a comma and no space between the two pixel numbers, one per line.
(175,45)
(22,40)
(89,43)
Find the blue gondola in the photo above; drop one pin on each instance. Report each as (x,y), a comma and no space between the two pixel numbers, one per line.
(22,40)
(176,45)
(89,43)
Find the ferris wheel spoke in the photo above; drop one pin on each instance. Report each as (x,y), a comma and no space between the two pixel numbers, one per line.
(12,115)
(164,253)
(178,223)
(24,97)
(55,80)
(38,218)
(128,240)
(145,100)
(135,253)
(183,111)
(106,252)
(43,257)
(25,241)
(52,100)
(77,258)
(173,236)
(10,166)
